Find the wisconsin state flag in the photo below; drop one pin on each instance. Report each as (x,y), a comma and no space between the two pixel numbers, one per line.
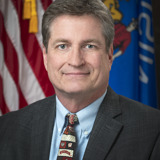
(133,69)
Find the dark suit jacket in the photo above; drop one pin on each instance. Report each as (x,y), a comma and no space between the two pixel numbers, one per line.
(123,130)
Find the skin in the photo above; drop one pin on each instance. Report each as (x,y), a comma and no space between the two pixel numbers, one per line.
(76,61)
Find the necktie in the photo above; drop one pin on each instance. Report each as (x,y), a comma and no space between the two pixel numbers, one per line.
(68,140)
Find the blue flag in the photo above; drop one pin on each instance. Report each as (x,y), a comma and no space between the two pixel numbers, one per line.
(133,69)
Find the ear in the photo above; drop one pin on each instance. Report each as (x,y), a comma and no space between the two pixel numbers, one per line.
(44,56)
(110,56)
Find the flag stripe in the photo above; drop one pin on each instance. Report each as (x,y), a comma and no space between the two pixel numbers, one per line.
(28,82)
(33,51)
(3,107)
(45,3)
(8,89)
(10,55)
(23,78)
(40,12)
(10,58)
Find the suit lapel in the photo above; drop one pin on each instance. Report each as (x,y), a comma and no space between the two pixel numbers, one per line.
(42,129)
(106,128)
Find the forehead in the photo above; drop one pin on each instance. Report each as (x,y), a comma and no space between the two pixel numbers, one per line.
(70,24)
(75,17)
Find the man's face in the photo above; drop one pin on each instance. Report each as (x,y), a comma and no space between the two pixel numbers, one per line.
(76,60)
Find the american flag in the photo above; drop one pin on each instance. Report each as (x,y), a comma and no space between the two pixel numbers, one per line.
(23,79)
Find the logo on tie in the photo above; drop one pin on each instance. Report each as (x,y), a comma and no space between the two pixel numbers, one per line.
(68,140)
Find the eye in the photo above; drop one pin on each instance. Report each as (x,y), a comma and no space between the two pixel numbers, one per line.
(90,46)
(62,46)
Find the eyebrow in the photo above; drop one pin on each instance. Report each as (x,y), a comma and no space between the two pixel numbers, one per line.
(92,41)
(83,41)
(60,40)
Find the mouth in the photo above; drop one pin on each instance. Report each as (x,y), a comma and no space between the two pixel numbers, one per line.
(76,74)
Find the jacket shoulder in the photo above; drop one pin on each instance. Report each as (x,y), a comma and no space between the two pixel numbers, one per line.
(140,113)
(24,116)
(133,105)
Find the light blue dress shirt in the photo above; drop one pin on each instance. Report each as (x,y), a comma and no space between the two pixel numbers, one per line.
(83,129)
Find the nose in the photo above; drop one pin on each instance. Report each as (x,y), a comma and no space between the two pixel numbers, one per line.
(76,58)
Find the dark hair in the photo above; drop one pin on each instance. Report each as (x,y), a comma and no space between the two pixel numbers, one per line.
(96,8)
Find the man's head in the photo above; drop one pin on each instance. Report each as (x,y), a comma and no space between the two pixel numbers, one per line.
(77,55)
(96,8)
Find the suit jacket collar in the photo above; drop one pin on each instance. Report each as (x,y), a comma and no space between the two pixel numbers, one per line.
(106,128)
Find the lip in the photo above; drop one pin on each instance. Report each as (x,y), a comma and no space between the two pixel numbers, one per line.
(76,74)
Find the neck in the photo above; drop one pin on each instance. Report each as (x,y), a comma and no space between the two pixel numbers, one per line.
(77,102)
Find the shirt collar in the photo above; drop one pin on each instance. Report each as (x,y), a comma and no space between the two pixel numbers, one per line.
(86,116)
(61,113)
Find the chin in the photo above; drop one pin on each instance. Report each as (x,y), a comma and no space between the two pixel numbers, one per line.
(68,89)
(75,91)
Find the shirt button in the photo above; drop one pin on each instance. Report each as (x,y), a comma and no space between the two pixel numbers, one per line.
(85,132)
(59,129)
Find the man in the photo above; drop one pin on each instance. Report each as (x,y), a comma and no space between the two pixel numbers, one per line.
(77,51)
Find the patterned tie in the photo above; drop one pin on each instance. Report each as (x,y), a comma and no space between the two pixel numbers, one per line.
(68,141)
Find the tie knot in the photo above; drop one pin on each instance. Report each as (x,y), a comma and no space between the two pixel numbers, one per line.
(72,119)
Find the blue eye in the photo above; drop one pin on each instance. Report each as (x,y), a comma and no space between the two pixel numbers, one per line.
(62,46)
(90,46)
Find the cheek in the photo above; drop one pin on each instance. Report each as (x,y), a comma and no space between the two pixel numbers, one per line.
(54,62)
(53,69)
(100,62)
(104,68)
(94,60)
